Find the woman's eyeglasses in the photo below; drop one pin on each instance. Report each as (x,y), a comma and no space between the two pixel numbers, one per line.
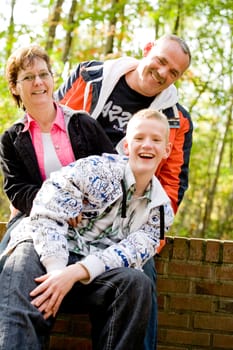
(32,77)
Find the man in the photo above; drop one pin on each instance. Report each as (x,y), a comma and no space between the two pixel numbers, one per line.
(96,267)
(113,90)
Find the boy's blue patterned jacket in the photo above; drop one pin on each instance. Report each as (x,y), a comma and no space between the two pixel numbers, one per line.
(106,240)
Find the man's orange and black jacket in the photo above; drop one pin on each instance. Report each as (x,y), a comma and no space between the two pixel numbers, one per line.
(89,86)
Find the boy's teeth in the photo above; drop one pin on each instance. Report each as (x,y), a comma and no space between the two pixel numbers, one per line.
(146,155)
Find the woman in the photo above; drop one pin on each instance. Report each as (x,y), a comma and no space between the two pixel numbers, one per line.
(49,135)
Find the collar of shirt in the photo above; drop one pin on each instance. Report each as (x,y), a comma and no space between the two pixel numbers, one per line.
(130,184)
(59,120)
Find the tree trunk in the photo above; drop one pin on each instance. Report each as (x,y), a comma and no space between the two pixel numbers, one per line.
(10,31)
(69,33)
(53,21)
(211,194)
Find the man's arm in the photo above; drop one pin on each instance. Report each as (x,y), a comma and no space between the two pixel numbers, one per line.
(73,91)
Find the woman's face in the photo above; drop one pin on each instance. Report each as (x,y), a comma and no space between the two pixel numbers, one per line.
(34,85)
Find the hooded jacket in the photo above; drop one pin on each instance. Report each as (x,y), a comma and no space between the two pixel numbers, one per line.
(104,238)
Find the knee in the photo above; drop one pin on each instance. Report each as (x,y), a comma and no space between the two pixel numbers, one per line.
(139,281)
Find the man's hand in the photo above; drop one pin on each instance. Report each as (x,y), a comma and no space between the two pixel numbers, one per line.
(53,286)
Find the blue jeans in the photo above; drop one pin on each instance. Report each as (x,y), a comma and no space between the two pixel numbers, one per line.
(3,244)
(11,224)
(150,342)
(118,302)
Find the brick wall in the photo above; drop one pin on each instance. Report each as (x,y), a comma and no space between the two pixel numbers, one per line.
(2,229)
(195,300)
(195,295)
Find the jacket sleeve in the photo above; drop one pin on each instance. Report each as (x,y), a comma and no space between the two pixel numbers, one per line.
(59,199)
(134,250)
(173,172)
(20,183)
(72,92)
(88,137)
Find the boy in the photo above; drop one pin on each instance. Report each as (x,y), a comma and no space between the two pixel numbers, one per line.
(120,200)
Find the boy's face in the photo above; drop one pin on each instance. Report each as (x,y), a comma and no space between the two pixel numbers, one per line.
(146,145)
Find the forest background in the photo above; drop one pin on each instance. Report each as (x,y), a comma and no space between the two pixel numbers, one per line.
(73,31)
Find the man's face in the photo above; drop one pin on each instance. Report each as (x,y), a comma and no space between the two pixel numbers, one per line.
(163,65)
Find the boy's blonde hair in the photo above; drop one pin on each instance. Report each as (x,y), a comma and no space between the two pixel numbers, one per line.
(149,113)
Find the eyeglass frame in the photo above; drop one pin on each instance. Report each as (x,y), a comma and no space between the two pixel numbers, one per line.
(32,77)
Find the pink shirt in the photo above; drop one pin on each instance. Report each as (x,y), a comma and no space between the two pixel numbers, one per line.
(59,137)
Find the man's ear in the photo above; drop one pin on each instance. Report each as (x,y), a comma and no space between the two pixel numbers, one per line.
(147,48)
(167,150)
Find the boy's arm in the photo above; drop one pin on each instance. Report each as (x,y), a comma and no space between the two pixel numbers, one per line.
(133,251)
(59,199)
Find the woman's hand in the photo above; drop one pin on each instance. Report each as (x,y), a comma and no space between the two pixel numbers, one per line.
(75,221)
(13,211)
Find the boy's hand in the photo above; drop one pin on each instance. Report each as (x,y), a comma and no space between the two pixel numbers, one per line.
(53,286)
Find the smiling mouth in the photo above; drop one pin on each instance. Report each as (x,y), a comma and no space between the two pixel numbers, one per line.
(39,92)
(156,78)
(146,155)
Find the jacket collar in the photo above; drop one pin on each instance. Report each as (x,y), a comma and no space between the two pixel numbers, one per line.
(113,70)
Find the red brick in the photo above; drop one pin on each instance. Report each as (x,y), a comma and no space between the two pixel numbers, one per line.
(217,323)
(225,306)
(2,229)
(82,327)
(167,250)
(201,348)
(160,266)
(223,341)
(69,343)
(172,347)
(171,285)
(61,325)
(224,272)
(161,301)
(190,270)
(176,337)
(173,319)
(196,249)
(228,252)
(181,248)
(213,248)
(216,289)
(191,303)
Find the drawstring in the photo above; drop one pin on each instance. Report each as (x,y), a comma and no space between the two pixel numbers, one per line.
(123,210)
(123,203)
(161,210)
